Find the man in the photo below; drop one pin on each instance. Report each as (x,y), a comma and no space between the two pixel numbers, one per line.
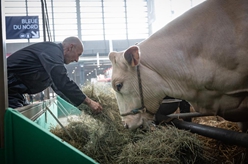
(38,66)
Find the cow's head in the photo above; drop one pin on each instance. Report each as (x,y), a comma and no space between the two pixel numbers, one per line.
(126,84)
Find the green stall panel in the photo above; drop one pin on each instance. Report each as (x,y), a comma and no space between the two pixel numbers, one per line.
(2,159)
(65,108)
(28,143)
(38,113)
(46,120)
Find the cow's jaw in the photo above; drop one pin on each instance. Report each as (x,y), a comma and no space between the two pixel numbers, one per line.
(127,104)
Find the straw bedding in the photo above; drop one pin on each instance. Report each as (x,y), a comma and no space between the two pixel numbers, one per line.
(103,137)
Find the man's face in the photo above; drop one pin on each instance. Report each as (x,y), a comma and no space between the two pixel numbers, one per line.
(72,53)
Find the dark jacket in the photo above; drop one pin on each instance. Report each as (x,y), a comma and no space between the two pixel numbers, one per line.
(40,65)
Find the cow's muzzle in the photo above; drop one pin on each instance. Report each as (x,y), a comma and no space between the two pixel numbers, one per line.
(136,111)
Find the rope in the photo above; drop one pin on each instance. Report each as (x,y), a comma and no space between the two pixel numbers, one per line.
(142,108)
(59,122)
(140,87)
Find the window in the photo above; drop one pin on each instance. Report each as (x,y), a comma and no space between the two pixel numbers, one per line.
(88,19)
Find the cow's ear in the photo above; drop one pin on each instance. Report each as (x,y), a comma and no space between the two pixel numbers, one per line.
(132,55)
(112,57)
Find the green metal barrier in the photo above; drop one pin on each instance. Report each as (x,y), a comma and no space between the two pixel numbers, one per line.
(46,120)
(2,158)
(26,142)
(64,105)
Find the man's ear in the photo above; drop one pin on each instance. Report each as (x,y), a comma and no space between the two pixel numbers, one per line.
(132,55)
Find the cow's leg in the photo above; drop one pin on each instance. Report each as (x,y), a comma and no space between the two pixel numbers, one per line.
(243,126)
(238,114)
(164,110)
(185,108)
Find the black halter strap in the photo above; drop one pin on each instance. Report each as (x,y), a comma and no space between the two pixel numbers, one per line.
(142,108)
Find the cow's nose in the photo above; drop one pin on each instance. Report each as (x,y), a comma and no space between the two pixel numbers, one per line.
(125,124)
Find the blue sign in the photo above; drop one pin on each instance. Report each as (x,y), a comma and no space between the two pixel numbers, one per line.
(22,27)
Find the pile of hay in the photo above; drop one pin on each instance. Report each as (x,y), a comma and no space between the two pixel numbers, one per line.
(103,138)
(165,145)
(224,153)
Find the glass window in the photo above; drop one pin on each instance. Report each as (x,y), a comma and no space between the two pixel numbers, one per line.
(93,19)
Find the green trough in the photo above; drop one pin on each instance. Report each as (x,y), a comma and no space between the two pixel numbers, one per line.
(29,141)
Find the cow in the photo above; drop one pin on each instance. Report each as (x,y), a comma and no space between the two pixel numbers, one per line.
(200,57)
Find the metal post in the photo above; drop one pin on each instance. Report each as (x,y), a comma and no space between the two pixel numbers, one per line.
(3,75)
(103,23)
(26,5)
(47,95)
(43,20)
(79,19)
(126,22)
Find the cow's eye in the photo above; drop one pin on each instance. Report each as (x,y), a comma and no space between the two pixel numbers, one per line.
(119,86)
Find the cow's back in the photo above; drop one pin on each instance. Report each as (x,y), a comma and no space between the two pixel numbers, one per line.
(212,37)
(200,57)
(205,51)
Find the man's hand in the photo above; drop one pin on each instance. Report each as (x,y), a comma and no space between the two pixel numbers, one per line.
(95,106)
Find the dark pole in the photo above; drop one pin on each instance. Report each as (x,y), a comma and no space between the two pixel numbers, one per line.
(44,36)
(26,3)
(43,20)
(3,75)
(227,136)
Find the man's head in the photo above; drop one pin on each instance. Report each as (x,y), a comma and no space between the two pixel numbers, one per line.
(73,48)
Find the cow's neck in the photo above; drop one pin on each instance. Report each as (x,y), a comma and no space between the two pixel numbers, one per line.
(167,62)
(166,52)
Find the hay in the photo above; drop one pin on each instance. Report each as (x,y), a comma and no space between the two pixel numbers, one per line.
(224,153)
(103,138)
(105,131)
(165,145)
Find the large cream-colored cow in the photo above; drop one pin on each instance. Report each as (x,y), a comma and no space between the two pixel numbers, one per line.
(201,57)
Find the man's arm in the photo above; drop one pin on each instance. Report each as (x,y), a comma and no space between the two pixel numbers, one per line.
(60,94)
(64,85)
